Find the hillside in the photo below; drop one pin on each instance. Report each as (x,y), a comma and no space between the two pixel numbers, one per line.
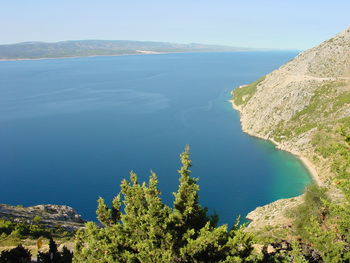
(304,107)
(81,48)
(25,226)
(50,215)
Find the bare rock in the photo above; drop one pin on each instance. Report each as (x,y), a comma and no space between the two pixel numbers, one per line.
(273,214)
(50,215)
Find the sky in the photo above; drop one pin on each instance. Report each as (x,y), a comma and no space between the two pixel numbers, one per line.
(281,24)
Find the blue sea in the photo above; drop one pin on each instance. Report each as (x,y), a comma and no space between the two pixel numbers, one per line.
(72,129)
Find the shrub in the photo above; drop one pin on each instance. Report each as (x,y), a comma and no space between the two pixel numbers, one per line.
(15,255)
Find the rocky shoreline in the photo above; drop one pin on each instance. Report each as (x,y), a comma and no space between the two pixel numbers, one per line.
(299,108)
(273,214)
(49,215)
(306,162)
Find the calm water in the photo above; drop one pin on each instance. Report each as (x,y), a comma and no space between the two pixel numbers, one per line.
(71,129)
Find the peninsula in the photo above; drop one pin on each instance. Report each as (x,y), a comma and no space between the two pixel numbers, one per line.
(85,48)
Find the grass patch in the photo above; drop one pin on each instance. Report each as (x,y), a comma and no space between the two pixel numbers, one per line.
(341,100)
(244,94)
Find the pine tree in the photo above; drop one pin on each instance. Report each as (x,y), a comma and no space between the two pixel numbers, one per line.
(187,210)
(146,230)
(104,214)
(52,256)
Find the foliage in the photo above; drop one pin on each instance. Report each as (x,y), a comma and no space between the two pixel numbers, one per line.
(243,94)
(312,207)
(296,254)
(53,256)
(320,112)
(29,230)
(141,228)
(15,255)
(324,224)
(36,219)
(23,229)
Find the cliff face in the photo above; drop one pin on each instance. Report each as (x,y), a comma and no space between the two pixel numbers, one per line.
(291,102)
(302,106)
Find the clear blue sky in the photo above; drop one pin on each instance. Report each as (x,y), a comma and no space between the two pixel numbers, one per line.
(286,24)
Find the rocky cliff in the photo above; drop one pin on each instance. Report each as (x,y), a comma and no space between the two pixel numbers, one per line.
(49,215)
(302,107)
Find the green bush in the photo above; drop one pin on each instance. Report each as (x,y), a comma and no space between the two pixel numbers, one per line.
(23,230)
(312,207)
(36,219)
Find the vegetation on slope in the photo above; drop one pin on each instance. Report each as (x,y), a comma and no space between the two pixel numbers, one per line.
(321,221)
(327,226)
(243,94)
(323,111)
(20,238)
(12,233)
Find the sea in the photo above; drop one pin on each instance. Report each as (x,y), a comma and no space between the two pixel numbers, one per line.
(71,129)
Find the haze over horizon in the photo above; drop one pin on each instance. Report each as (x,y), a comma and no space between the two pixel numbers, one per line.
(252,24)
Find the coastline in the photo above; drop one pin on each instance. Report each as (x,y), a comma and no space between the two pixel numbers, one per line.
(90,56)
(141,52)
(305,161)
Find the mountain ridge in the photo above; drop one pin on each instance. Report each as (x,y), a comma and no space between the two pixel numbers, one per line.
(82,48)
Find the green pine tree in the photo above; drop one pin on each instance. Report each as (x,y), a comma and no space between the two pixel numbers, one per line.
(187,211)
(146,230)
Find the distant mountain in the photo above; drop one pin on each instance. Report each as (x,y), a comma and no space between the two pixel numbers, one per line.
(81,48)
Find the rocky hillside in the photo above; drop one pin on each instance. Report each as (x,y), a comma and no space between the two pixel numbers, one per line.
(304,107)
(50,215)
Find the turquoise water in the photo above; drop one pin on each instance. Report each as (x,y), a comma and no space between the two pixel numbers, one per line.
(71,129)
